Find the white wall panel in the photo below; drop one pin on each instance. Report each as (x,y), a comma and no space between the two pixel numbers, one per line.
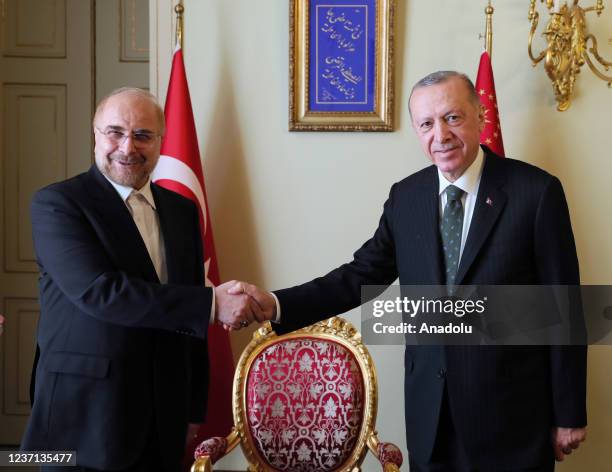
(35,28)
(134,30)
(35,154)
(20,332)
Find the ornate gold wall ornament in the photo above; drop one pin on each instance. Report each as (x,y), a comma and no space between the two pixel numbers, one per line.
(569,46)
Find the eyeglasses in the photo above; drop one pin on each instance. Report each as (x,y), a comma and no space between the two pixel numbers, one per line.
(140,139)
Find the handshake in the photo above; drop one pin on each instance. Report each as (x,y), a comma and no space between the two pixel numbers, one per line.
(238,304)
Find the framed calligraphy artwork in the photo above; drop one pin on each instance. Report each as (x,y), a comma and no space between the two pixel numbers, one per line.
(341,65)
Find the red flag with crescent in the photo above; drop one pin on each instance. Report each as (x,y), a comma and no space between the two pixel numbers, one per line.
(491,135)
(179,169)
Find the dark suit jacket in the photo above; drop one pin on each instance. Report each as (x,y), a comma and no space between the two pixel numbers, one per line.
(503,400)
(121,355)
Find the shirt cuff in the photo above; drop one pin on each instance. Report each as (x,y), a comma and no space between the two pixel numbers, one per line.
(277,319)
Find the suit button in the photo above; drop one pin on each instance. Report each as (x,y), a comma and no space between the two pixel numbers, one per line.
(441,373)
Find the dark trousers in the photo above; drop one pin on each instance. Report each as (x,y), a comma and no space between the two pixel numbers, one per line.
(150,460)
(449,453)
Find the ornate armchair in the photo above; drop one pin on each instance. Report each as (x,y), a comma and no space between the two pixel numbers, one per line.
(305,401)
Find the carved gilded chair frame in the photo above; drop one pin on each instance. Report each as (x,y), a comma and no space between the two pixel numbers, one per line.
(336,330)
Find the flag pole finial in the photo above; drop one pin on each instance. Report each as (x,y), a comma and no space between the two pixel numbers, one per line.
(179,9)
(489,28)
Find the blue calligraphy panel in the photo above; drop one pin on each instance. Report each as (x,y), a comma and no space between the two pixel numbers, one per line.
(341,65)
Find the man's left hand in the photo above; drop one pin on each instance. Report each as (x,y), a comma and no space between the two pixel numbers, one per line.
(565,440)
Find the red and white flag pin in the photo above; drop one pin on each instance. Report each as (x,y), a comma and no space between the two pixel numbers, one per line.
(489,201)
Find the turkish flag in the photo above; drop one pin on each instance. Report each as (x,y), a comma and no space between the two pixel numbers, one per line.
(179,169)
(491,134)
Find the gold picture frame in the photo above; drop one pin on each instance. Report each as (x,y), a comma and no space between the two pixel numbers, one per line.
(341,65)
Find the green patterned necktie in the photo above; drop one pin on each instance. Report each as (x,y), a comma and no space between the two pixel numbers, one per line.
(451,227)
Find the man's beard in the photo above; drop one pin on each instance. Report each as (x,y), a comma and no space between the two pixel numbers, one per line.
(130,171)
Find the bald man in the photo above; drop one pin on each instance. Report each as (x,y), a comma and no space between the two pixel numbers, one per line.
(122,363)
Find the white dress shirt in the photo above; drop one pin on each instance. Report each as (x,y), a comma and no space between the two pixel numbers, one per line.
(141,205)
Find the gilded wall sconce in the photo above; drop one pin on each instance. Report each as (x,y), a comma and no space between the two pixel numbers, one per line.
(568,46)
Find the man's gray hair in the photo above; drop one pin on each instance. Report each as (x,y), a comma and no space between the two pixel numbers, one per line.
(145,94)
(442,76)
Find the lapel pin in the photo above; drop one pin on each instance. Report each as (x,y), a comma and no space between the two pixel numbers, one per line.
(489,201)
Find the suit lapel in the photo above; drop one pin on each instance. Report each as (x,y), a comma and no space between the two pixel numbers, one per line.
(118,225)
(490,203)
(168,226)
(427,215)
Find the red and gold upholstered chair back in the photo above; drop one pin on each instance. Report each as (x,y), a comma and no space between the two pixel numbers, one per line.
(305,401)
(304,404)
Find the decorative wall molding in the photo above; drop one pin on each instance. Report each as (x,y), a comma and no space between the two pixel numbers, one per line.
(35,28)
(35,154)
(134,31)
(20,328)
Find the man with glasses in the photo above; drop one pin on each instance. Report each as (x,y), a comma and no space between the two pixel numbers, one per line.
(122,364)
